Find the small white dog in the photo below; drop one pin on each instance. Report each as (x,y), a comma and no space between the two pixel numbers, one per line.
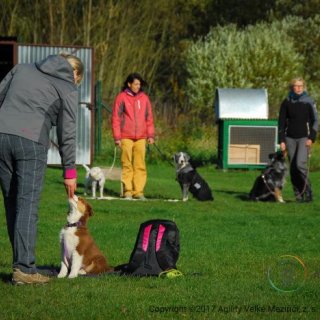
(94,177)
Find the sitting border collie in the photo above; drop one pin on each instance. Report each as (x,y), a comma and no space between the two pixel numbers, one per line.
(79,253)
(268,186)
(190,180)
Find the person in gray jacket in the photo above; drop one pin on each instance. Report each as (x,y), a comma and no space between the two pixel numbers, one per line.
(298,127)
(33,98)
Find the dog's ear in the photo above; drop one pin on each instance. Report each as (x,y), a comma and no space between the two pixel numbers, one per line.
(89,209)
(186,156)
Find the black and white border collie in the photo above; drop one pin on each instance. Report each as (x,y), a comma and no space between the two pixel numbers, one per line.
(190,180)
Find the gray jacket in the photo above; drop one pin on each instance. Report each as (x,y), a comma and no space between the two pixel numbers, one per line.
(35,97)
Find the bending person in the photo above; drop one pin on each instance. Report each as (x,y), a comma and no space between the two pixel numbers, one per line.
(33,98)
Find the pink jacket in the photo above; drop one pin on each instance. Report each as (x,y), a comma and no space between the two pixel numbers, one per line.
(132,116)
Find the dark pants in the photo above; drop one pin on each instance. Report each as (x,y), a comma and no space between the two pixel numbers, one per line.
(298,154)
(22,168)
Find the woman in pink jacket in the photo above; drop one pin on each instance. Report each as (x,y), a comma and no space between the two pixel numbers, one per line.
(132,126)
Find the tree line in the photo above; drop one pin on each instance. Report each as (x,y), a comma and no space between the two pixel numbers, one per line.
(184,49)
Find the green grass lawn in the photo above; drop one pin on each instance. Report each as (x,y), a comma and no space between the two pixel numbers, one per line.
(227,248)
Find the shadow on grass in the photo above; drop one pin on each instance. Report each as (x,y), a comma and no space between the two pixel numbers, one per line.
(107,192)
(50,271)
(157,196)
(5,277)
(111,193)
(240,195)
(245,196)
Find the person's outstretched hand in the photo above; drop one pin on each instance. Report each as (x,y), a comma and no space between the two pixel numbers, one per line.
(150,140)
(71,186)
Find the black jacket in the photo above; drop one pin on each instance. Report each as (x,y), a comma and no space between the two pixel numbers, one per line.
(298,118)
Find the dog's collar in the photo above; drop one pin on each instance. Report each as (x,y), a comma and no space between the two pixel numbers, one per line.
(75,224)
(185,169)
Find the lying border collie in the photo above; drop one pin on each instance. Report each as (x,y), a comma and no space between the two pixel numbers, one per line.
(190,180)
(268,186)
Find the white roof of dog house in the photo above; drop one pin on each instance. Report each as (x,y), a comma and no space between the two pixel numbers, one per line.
(33,53)
(241,104)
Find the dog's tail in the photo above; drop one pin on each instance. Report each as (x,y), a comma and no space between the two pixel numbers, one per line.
(86,167)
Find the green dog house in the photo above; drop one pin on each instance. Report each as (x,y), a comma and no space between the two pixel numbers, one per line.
(246,136)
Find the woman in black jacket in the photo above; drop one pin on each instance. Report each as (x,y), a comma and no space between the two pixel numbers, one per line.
(298,126)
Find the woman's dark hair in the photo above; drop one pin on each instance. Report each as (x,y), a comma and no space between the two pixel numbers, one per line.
(131,77)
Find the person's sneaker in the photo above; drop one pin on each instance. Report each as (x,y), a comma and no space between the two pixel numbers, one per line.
(308,199)
(141,197)
(128,197)
(19,278)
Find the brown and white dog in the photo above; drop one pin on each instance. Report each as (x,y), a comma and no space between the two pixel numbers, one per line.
(80,254)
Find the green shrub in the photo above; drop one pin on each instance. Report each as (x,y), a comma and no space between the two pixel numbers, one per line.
(191,136)
(188,135)
(315,157)
(306,40)
(260,56)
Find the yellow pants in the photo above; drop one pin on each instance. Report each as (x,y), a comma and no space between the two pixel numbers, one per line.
(134,173)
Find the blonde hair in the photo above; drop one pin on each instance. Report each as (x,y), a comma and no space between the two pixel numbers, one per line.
(294,80)
(75,63)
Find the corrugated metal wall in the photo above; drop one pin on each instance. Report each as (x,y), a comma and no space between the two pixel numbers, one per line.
(33,53)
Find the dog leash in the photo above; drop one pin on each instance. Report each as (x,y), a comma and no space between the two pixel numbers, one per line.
(114,160)
(307,175)
(54,144)
(162,155)
(266,183)
(266,194)
(114,155)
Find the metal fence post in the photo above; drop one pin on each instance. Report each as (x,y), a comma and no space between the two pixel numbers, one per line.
(99,106)
(98,118)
